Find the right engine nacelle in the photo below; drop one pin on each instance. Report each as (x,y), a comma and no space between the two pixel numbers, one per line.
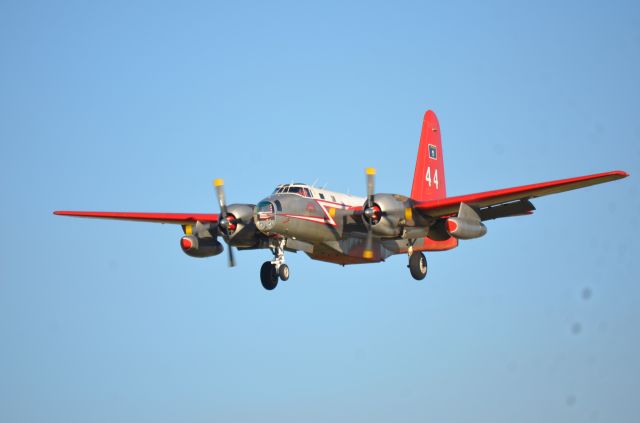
(243,231)
(465,229)
(200,247)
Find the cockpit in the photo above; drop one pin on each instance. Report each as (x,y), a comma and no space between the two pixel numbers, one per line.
(299,189)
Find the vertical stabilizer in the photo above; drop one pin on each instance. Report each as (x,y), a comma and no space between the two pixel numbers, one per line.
(428,179)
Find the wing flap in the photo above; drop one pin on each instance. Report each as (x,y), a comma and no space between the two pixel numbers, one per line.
(174,218)
(514,208)
(450,205)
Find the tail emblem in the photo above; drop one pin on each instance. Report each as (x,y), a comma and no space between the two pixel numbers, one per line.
(433,152)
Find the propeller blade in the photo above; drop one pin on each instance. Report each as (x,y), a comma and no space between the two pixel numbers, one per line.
(368,246)
(224,223)
(371,173)
(232,261)
(219,185)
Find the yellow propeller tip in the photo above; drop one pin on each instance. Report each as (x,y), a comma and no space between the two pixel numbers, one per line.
(368,254)
(371,171)
(218,182)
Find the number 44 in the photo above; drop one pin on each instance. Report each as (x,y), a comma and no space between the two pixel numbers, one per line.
(435,177)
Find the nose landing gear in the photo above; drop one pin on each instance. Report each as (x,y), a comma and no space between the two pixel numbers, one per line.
(283,272)
(273,270)
(268,276)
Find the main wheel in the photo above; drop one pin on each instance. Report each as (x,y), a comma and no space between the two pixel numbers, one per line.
(283,272)
(268,276)
(418,266)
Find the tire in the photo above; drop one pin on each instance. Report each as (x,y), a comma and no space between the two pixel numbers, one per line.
(283,272)
(418,266)
(268,276)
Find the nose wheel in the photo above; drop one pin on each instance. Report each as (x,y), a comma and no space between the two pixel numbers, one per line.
(268,276)
(283,272)
(273,270)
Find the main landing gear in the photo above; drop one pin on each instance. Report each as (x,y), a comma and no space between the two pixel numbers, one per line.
(273,270)
(417,263)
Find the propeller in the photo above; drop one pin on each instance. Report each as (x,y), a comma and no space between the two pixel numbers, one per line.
(369,212)
(227,221)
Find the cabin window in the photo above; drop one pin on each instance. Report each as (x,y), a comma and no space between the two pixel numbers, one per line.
(333,199)
(321,196)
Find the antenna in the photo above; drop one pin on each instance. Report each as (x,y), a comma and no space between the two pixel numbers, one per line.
(313,185)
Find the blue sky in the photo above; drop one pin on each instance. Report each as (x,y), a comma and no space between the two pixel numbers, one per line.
(137,106)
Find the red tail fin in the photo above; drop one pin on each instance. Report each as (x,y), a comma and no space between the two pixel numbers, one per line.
(428,179)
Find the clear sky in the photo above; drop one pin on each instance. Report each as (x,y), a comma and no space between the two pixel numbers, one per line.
(137,106)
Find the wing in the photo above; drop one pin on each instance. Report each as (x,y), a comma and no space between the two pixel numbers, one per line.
(175,218)
(511,201)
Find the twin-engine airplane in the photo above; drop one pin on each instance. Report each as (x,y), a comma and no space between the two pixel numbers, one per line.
(345,229)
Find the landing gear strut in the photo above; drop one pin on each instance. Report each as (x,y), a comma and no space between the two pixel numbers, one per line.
(273,270)
(417,264)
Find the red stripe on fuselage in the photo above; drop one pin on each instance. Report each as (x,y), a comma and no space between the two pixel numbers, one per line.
(327,219)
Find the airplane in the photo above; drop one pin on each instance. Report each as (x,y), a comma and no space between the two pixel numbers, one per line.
(346,229)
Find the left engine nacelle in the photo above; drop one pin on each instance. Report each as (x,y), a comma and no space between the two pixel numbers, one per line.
(389,215)
(200,247)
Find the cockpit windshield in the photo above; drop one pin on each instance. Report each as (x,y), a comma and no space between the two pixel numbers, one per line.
(299,190)
(292,189)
